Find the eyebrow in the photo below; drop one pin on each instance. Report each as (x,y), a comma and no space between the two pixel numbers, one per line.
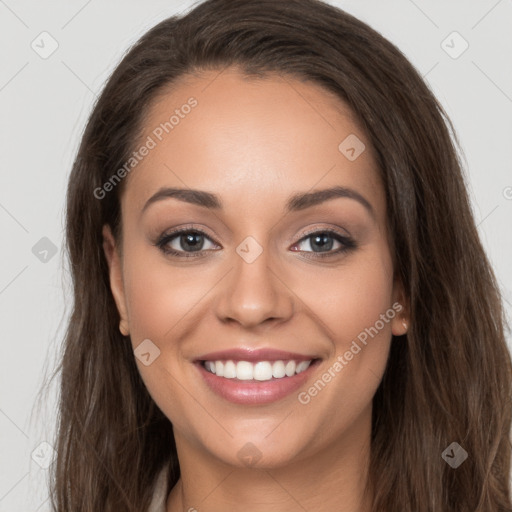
(296,202)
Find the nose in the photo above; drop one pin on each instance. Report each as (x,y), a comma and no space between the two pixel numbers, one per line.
(254,293)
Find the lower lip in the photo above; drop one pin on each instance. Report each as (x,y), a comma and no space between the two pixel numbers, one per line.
(252,392)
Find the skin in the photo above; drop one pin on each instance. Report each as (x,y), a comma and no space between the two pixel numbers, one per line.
(254,143)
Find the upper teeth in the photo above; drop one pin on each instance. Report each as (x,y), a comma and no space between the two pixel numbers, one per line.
(262,370)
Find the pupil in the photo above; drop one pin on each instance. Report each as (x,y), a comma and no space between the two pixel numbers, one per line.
(324,241)
(190,241)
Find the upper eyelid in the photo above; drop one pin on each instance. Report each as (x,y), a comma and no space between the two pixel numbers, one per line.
(180,231)
(323,230)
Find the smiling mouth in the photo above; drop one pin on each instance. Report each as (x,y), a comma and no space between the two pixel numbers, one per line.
(258,371)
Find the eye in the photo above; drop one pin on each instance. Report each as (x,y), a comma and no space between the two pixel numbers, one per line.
(185,243)
(193,242)
(321,243)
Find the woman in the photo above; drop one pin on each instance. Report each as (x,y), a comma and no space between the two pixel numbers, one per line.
(280,298)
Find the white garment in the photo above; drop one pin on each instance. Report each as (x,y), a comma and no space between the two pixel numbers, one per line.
(159,501)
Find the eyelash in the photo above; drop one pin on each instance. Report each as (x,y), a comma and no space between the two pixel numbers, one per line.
(347,243)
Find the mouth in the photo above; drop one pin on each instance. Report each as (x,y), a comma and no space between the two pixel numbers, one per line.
(255,377)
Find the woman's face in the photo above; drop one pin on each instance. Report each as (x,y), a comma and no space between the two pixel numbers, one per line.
(269,269)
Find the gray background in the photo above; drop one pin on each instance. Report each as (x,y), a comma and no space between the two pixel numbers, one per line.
(45,103)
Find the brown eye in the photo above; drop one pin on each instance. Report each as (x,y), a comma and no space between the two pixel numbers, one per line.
(322,242)
(184,242)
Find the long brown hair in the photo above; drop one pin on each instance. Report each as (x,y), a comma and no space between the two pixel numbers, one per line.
(448,380)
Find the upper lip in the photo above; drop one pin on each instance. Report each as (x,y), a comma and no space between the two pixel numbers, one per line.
(247,354)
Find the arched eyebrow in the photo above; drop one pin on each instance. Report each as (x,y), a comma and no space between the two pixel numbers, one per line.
(296,202)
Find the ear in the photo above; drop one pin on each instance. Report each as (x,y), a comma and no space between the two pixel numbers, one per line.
(116,277)
(400,322)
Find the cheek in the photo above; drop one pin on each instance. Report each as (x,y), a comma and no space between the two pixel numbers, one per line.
(159,296)
(355,305)
(351,298)
(161,300)
(357,308)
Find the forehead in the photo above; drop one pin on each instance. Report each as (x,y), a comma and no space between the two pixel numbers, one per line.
(269,137)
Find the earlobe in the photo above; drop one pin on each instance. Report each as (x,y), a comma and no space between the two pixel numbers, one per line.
(400,323)
(116,277)
(399,326)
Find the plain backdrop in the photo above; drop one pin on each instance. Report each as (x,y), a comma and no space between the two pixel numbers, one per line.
(45,101)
